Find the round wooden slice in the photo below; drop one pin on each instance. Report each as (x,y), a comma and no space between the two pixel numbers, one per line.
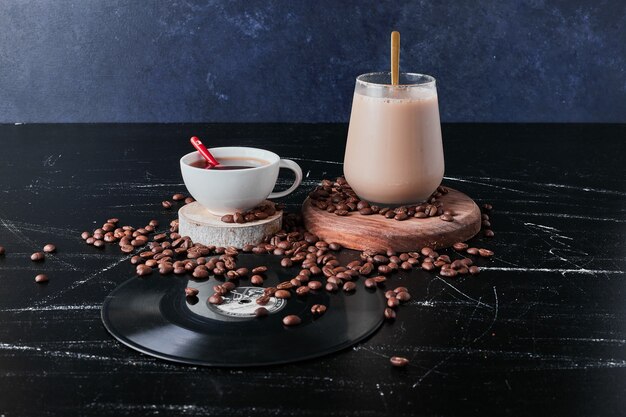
(204,227)
(376,232)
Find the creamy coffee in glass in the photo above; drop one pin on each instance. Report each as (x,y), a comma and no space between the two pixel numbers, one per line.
(394,153)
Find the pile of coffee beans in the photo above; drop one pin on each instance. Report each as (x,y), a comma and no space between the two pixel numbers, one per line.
(260,212)
(320,269)
(339,198)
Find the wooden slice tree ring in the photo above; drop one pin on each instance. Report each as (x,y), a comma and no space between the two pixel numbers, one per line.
(204,227)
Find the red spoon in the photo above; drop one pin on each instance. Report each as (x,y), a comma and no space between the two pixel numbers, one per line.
(197,143)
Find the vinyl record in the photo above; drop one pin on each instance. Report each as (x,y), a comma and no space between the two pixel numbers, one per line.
(152,315)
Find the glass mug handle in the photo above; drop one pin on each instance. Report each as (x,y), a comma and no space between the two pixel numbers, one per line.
(289,164)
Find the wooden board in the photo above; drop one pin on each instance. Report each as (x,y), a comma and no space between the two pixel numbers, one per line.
(204,227)
(359,232)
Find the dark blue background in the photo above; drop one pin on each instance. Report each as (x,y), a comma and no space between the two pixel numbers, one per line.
(295,61)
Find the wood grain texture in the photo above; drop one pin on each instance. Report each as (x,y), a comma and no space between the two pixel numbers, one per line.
(204,227)
(359,232)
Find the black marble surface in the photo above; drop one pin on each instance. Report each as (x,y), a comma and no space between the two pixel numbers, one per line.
(541,331)
(296,61)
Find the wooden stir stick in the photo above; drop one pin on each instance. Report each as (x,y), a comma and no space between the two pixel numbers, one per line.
(395,57)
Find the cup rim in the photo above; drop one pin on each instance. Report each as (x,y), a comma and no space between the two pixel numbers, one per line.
(227,172)
(429,80)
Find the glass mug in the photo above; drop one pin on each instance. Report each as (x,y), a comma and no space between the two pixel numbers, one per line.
(394,153)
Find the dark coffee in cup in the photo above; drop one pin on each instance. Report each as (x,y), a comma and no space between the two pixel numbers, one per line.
(231,163)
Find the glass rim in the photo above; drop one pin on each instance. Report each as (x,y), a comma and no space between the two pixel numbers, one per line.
(429,80)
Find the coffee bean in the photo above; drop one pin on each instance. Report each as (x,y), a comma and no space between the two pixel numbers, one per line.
(260,215)
(487,207)
(216,299)
(460,246)
(398,361)
(380,279)
(261,312)
(380,259)
(467,262)
(401,216)
(449,272)
(341,212)
(256,280)
(384,269)
(370,283)
(489,233)
(242,272)
(474,270)
(485,253)
(486,223)
(270,291)
(304,290)
(366,269)
(232,275)
(291,320)
(446,218)
(366,211)
(37,257)
(189,200)
(456,264)
(362,204)
(284,285)
(393,302)
(239,218)
(166,204)
(334,280)
(473,251)
(263,300)
(49,248)
(191,292)
(284,294)
(389,313)
(41,278)
(286,263)
(179,270)
(166,269)
(406,266)
(143,270)
(99,243)
(428,266)
(331,287)
(349,286)
(403,296)
(420,215)
(314,285)
(318,309)
(334,246)
(228,218)
(315,270)
(426,251)
(85,235)
(178,197)
(303,278)
(200,273)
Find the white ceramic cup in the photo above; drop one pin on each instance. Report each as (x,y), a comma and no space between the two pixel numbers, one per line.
(226,191)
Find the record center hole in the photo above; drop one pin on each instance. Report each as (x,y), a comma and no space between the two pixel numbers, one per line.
(244,301)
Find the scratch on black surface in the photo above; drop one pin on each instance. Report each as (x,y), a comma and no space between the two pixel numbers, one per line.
(83,281)
(10,226)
